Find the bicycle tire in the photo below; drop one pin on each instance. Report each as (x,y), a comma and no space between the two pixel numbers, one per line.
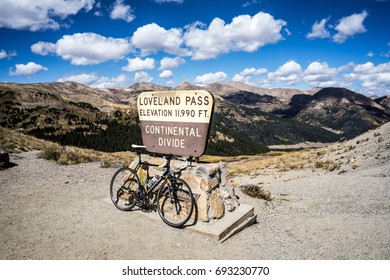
(175,202)
(123,186)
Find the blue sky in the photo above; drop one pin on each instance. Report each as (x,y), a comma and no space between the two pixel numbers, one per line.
(266,43)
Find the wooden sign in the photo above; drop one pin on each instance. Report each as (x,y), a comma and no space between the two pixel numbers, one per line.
(175,122)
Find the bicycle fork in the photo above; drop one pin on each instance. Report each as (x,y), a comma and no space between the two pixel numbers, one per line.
(172,193)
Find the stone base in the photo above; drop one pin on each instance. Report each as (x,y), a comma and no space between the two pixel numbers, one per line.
(209,183)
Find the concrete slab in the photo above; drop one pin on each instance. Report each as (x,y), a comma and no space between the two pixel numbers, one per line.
(230,224)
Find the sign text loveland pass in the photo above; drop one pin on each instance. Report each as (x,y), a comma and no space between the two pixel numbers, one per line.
(175,122)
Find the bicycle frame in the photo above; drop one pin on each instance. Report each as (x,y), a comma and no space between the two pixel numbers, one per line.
(167,176)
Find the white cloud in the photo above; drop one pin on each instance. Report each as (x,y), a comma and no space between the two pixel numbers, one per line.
(98,8)
(5,54)
(85,48)
(170,63)
(366,68)
(39,14)
(387,54)
(367,78)
(349,26)
(84,78)
(166,74)
(152,38)
(253,71)
(43,48)
(321,75)
(245,33)
(97,81)
(374,79)
(138,64)
(91,48)
(318,68)
(245,76)
(209,78)
(318,30)
(290,72)
(119,81)
(370,54)
(142,77)
(122,11)
(28,69)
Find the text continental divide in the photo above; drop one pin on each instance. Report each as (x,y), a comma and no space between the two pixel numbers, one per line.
(172,130)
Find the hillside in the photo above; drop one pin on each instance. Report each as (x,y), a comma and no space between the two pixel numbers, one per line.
(233,120)
(63,113)
(337,109)
(245,121)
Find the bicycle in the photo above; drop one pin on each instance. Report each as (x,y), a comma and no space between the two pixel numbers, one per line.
(174,199)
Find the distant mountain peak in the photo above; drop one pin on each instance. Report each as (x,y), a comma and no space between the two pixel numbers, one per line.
(221,89)
(148,87)
(347,95)
(246,87)
(187,86)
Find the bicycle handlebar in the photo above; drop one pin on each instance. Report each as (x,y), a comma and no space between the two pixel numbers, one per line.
(168,158)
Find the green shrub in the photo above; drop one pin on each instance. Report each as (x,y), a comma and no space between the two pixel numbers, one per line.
(50,154)
(256,192)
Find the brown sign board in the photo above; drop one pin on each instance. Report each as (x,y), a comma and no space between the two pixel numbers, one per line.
(175,122)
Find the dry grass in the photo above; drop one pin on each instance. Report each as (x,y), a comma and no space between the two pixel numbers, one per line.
(214,159)
(327,165)
(284,161)
(15,142)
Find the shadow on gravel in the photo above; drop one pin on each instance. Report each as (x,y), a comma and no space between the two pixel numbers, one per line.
(4,166)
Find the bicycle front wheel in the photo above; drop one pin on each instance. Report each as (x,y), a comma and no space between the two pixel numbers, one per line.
(123,188)
(175,202)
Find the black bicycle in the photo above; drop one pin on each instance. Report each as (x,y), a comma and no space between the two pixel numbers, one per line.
(174,198)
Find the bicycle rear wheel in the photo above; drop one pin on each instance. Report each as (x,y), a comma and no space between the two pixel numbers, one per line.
(175,202)
(123,188)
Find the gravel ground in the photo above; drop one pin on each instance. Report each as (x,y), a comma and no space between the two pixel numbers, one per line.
(49,211)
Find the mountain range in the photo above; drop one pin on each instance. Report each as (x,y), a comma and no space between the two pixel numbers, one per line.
(246,118)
